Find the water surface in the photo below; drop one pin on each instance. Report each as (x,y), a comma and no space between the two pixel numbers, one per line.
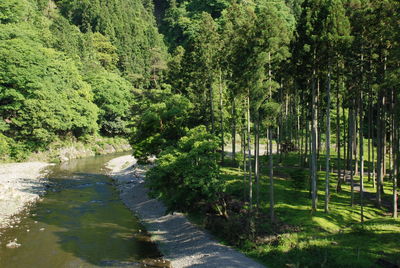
(81,222)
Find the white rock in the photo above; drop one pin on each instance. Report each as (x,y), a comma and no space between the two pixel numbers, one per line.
(13,244)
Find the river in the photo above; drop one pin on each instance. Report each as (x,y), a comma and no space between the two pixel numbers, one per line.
(81,222)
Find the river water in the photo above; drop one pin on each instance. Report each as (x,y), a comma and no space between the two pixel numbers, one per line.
(81,222)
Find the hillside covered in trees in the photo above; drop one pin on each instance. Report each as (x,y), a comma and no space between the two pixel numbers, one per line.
(275,123)
(70,69)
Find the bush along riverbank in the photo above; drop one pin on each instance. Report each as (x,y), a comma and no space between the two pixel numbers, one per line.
(70,148)
(182,243)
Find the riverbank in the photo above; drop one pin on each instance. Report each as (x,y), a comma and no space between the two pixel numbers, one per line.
(21,184)
(68,149)
(182,243)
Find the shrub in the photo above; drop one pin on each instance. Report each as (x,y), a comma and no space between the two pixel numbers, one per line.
(186,176)
(4,147)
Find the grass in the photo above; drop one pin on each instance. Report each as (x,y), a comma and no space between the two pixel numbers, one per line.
(336,239)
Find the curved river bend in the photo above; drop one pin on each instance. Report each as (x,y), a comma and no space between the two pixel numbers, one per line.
(81,222)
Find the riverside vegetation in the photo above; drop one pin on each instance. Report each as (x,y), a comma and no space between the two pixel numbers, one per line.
(314,81)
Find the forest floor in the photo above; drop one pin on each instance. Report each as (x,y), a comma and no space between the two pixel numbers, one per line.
(318,239)
(181,242)
(21,184)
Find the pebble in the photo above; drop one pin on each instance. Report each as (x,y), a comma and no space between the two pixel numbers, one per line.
(41,229)
(13,244)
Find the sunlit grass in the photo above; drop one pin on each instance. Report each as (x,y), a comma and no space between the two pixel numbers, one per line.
(336,239)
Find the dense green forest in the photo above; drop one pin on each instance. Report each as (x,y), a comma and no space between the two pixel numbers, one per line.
(70,70)
(275,123)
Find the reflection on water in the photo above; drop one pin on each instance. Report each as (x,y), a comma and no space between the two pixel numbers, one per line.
(81,222)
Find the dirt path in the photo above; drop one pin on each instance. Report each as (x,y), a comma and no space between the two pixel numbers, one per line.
(182,243)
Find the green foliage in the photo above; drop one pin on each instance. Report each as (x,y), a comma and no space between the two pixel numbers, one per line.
(113,95)
(186,175)
(4,146)
(42,94)
(129,27)
(106,53)
(163,120)
(56,81)
(12,10)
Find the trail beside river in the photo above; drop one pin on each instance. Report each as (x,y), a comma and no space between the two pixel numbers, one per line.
(21,184)
(182,243)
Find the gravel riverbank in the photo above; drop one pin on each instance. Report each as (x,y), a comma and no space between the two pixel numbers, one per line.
(21,184)
(182,243)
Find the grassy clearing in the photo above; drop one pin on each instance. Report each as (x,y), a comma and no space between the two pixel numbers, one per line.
(337,239)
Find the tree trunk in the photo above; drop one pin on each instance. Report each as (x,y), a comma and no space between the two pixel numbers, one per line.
(212,110)
(338,147)
(361,140)
(369,136)
(221,117)
(249,155)
(318,121)
(355,139)
(379,151)
(301,131)
(271,177)
(234,130)
(328,142)
(395,152)
(243,140)
(307,143)
(341,178)
(314,138)
(373,152)
(351,145)
(257,157)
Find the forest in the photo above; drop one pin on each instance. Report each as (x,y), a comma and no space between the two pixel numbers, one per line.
(275,123)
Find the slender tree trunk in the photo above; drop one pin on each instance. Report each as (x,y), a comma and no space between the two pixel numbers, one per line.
(243,140)
(384,128)
(361,138)
(257,157)
(341,178)
(249,154)
(369,136)
(234,130)
(345,140)
(221,118)
(351,145)
(395,152)
(355,138)
(271,177)
(298,135)
(318,122)
(373,152)
(278,142)
(307,143)
(361,157)
(379,151)
(383,150)
(212,109)
(301,130)
(314,139)
(328,142)
(338,147)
